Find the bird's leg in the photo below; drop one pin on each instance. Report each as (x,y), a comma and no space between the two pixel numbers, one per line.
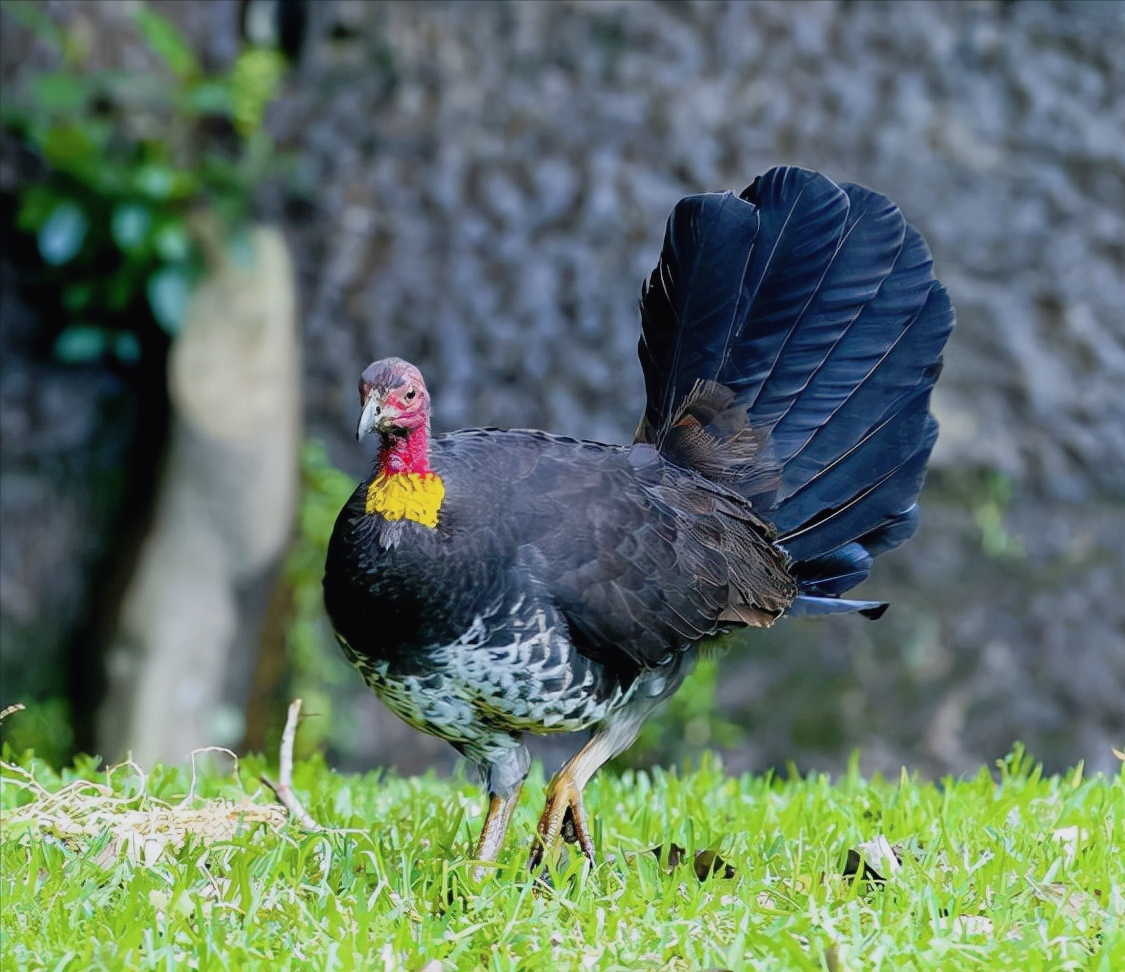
(496,822)
(563,816)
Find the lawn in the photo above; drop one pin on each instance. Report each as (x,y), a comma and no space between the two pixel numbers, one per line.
(183,870)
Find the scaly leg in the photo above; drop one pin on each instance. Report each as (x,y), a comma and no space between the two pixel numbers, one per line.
(496,822)
(563,814)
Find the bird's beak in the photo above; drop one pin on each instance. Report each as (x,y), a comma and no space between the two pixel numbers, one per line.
(377,416)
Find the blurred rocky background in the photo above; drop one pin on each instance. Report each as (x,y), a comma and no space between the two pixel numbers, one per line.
(480,187)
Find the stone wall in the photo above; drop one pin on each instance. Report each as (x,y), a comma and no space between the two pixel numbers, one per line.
(491,182)
(481,188)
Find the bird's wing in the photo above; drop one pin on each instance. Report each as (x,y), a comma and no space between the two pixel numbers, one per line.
(640,557)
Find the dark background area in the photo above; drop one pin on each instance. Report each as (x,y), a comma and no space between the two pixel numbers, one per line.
(480,187)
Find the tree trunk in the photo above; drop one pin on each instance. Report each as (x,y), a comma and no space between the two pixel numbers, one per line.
(192,614)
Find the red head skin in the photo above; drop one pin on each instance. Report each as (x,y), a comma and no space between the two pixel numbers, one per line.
(396,404)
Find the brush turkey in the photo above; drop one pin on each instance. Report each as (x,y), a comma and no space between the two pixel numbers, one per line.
(492,583)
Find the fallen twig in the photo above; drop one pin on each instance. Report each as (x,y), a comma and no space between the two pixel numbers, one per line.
(283,789)
(11,710)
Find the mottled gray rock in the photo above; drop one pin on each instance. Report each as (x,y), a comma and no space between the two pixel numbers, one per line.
(65,435)
(490,213)
(488,186)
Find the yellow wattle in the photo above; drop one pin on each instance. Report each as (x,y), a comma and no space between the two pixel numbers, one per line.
(406,496)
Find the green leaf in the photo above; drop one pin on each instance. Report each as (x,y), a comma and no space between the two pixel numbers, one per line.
(36,206)
(166,42)
(126,347)
(210,98)
(155,181)
(59,91)
(168,291)
(80,344)
(70,148)
(129,226)
(77,295)
(122,286)
(255,79)
(172,242)
(14,116)
(17,828)
(61,236)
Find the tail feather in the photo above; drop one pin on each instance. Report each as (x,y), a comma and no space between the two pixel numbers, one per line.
(894,355)
(691,301)
(835,573)
(803,224)
(817,307)
(810,604)
(863,514)
(857,254)
(894,529)
(727,263)
(877,455)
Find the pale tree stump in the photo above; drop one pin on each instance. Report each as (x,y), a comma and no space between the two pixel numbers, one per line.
(224,514)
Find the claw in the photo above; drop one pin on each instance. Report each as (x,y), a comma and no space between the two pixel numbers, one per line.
(564,817)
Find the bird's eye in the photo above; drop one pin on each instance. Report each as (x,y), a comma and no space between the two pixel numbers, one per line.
(410,393)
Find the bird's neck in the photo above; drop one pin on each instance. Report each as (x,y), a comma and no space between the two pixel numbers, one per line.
(408,453)
(404,486)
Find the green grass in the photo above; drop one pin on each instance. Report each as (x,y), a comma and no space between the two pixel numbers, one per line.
(1004,870)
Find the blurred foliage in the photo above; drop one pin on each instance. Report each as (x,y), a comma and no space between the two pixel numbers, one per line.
(146,171)
(41,728)
(987,494)
(990,501)
(321,676)
(688,723)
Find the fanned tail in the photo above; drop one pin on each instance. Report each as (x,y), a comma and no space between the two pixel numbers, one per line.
(791,337)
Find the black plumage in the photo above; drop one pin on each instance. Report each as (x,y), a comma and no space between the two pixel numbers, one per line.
(490,583)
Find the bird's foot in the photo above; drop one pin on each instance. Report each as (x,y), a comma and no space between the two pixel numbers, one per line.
(563,816)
